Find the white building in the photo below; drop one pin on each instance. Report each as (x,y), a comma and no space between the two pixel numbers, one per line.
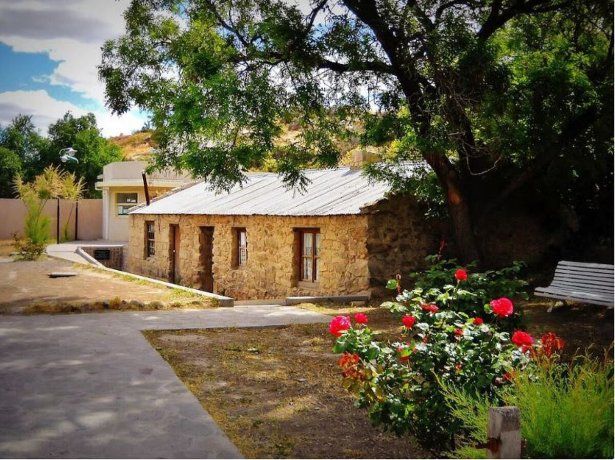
(122,188)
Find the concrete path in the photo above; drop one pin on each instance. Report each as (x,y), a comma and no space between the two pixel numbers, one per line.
(90,385)
(68,250)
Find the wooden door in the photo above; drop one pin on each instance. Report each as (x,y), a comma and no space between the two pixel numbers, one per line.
(175,275)
(206,245)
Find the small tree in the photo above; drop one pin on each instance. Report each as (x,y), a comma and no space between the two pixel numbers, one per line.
(52,183)
(71,189)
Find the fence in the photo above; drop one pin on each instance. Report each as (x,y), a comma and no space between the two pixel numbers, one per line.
(88,226)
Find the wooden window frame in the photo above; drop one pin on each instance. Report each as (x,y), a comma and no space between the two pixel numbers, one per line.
(237,247)
(150,251)
(315,256)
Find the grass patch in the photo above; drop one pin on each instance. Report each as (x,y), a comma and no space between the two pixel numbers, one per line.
(173,294)
(114,304)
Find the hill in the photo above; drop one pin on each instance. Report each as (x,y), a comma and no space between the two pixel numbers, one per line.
(139,146)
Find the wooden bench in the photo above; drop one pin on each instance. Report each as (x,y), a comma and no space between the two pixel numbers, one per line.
(581,282)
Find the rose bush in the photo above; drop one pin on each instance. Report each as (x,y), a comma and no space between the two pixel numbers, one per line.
(450,334)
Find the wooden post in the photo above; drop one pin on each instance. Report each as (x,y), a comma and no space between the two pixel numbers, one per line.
(504,432)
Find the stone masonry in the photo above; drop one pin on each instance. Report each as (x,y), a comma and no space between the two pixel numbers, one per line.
(357,252)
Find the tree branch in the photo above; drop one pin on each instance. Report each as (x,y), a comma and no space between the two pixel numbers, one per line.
(572,128)
(497,19)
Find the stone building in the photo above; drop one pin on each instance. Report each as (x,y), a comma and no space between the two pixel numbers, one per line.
(342,236)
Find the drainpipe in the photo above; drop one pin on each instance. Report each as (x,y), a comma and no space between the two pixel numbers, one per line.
(145,188)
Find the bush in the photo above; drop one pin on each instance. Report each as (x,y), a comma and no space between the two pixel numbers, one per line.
(451,335)
(566,410)
(52,183)
(31,248)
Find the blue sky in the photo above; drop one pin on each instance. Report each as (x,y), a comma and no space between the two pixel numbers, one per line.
(49,51)
(30,71)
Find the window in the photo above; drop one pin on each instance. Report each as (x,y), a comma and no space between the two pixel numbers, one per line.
(240,247)
(124,202)
(150,246)
(310,251)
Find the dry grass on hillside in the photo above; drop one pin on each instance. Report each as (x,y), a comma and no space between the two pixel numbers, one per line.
(137,146)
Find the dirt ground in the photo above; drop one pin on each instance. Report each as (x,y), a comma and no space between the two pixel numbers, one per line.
(25,287)
(276,392)
(6,248)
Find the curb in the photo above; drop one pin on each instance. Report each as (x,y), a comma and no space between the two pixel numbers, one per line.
(223,301)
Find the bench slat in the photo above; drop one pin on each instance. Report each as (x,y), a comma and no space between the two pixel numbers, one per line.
(583,284)
(559,271)
(582,288)
(586,269)
(577,294)
(606,303)
(574,279)
(585,264)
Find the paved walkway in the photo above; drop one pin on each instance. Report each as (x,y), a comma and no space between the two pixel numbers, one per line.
(90,385)
(67,250)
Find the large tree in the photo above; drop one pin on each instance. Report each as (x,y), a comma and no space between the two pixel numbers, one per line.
(93,150)
(489,93)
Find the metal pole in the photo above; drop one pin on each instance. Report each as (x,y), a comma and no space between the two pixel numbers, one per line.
(76,220)
(58,220)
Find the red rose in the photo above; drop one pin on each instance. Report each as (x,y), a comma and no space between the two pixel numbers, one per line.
(408,321)
(360,318)
(522,339)
(339,324)
(461,274)
(429,307)
(478,321)
(458,332)
(502,307)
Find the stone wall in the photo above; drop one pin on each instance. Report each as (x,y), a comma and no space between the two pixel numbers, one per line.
(399,238)
(272,269)
(109,256)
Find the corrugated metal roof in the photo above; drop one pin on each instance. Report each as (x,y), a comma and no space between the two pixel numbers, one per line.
(338,191)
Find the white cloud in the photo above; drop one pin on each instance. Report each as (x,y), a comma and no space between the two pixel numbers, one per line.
(72,33)
(45,110)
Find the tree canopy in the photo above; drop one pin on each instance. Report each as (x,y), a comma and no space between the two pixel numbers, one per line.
(493,95)
(24,151)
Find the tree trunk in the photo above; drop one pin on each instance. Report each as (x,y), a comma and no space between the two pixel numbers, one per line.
(458,207)
(463,229)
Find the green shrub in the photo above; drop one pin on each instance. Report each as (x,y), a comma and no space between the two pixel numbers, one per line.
(450,335)
(566,410)
(52,183)
(435,285)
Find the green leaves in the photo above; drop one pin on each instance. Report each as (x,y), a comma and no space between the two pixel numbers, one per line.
(392,284)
